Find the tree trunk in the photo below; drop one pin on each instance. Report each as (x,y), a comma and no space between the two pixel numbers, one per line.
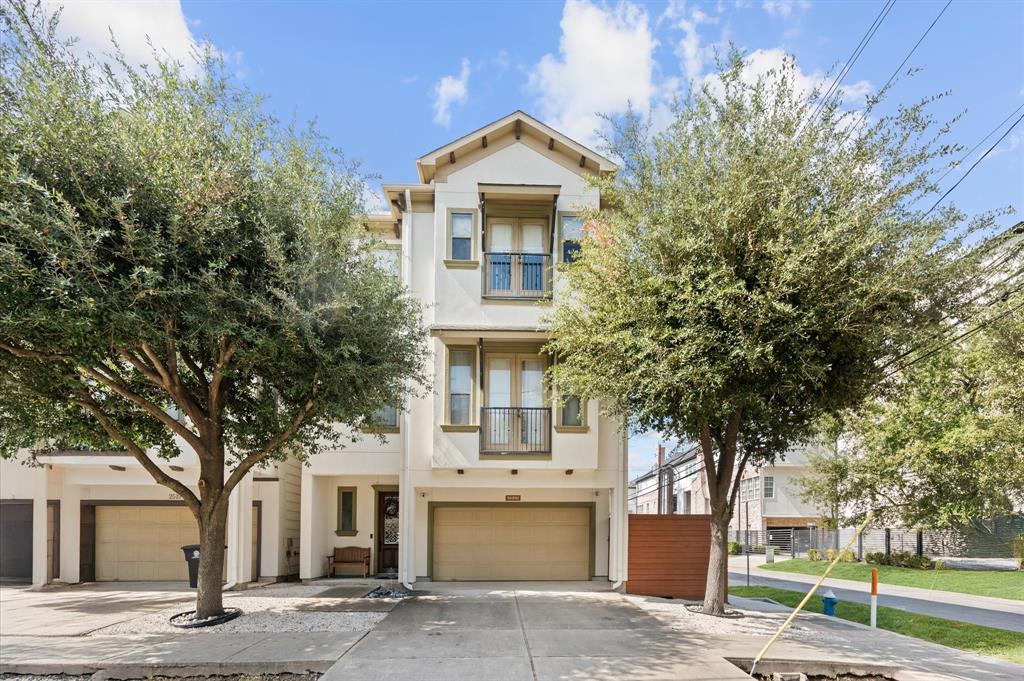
(718,563)
(212,531)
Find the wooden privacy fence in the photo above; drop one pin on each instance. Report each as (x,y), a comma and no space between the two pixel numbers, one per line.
(668,555)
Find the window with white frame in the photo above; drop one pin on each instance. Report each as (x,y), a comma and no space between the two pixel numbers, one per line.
(385,417)
(460,229)
(769,487)
(750,489)
(461,363)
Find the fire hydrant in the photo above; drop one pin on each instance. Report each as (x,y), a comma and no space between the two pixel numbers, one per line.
(830,601)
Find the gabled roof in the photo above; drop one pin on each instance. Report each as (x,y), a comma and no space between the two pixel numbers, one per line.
(516,123)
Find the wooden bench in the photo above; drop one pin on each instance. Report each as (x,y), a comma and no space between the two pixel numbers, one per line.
(349,556)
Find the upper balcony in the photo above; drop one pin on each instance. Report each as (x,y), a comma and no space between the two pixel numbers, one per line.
(517,276)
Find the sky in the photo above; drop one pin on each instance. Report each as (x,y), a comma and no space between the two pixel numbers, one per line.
(389,81)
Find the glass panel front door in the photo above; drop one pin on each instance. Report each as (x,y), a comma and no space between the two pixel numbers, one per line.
(501,237)
(499,400)
(533,265)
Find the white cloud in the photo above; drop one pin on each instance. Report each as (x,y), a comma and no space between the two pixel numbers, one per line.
(692,55)
(783,8)
(1011,144)
(134,25)
(409,80)
(760,62)
(448,91)
(605,62)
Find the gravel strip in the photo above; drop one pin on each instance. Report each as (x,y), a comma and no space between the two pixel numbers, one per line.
(269,609)
(675,614)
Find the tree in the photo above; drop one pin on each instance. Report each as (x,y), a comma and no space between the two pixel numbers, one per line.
(178,270)
(827,483)
(946,448)
(753,267)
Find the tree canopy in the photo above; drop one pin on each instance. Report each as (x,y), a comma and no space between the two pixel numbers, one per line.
(754,266)
(177,268)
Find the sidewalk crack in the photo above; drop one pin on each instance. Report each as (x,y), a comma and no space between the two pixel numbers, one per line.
(526,640)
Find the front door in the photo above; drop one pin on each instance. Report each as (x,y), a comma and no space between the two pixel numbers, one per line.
(387,532)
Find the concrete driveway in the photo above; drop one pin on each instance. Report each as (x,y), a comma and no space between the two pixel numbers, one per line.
(79,610)
(540,632)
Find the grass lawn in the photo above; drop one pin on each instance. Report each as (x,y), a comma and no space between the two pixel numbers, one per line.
(976,582)
(1006,645)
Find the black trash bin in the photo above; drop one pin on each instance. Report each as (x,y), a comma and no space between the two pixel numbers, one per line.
(192,558)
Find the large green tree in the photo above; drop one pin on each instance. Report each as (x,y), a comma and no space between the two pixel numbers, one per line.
(753,267)
(946,447)
(178,270)
(827,483)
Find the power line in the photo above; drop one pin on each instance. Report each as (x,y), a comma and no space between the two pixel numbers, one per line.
(975,147)
(903,63)
(973,166)
(852,59)
(963,335)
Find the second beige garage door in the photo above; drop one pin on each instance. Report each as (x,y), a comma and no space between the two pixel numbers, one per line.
(143,543)
(482,543)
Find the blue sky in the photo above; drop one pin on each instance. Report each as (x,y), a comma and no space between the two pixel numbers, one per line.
(388,81)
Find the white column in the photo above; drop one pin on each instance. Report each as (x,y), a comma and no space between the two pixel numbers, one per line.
(239,539)
(70,533)
(39,527)
(306,553)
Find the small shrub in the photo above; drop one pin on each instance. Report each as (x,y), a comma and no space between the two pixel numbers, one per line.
(874,557)
(831,554)
(846,556)
(901,559)
(919,563)
(813,554)
(1017,547)
(940,565)
(735,548)
(758,548)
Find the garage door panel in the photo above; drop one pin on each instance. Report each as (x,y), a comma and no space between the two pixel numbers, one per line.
(511,543)
(142,543)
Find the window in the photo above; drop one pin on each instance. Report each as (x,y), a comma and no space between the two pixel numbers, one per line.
(769,487)
(571,412)
(461,231)
(572,232)
(346,512)
(387,259)
(750,489)
(460,385)
(385,418)
(517,257)
(687,502)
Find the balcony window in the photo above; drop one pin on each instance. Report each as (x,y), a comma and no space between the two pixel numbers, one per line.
(517,262)
(572,232)
(460,385)
(516,417)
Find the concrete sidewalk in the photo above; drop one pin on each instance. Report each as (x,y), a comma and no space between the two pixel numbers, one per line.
(194,655)
(982,610)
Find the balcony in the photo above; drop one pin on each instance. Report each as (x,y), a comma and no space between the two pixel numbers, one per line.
(522,276)
(515,430)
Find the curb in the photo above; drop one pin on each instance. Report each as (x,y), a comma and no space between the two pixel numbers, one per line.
(103,672)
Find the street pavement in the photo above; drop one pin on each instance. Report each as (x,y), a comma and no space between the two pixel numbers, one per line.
(990,612)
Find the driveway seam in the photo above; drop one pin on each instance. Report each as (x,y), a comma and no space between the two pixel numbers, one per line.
(526,640)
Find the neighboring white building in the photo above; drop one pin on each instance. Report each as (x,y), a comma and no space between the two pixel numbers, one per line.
(98,516)
(488,476)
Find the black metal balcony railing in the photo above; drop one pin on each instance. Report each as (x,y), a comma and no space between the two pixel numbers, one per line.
(515,430)
(517,275)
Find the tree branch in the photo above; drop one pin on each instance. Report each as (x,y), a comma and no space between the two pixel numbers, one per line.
(33,354)
(260,454)
(139,454)
(173,385)
(196,370)
(152,409)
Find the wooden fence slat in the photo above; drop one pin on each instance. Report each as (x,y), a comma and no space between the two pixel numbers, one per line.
(668,555)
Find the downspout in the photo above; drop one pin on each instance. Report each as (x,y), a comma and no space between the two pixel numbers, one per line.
(620,513)
(407,498)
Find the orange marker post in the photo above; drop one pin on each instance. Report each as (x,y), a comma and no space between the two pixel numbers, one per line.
(874,596)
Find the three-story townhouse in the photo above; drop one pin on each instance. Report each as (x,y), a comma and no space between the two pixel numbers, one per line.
(488,476)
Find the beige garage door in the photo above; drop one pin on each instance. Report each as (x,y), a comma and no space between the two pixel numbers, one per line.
(143,543)
(511,543)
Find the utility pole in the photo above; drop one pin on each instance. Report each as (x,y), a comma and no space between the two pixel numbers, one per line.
(661,478)
(746,544)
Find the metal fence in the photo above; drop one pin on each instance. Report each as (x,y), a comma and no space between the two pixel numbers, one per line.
(982,539)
